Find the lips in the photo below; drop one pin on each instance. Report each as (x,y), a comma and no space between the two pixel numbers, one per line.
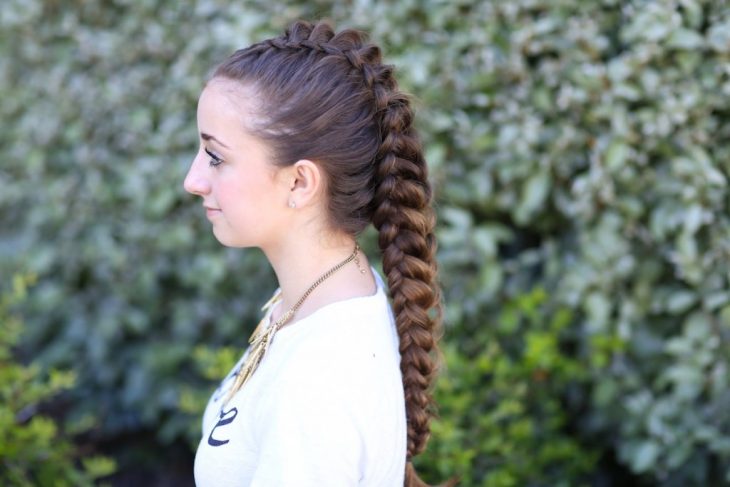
(210,211)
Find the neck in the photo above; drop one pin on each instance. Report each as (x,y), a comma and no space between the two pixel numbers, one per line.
(298,263)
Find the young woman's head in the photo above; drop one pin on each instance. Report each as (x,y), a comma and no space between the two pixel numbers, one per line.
(320,122)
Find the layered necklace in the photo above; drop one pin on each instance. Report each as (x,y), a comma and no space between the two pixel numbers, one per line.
(262,336)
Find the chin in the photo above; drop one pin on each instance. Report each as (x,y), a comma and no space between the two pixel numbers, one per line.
(230,241)
(223,239)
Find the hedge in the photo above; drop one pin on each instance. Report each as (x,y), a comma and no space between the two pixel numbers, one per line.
(579,151)
(34,450)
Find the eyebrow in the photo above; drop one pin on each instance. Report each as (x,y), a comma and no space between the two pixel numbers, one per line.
(206,137)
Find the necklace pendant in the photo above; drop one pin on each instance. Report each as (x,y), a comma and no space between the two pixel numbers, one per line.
(257,331)
(272,301)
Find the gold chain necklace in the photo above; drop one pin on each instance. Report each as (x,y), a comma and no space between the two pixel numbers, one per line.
(261,338)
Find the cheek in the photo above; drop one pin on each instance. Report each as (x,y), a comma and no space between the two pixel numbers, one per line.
(241,197)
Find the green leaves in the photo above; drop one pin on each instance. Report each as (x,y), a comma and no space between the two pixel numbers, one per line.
(580,160)
(499,416)
(34,451)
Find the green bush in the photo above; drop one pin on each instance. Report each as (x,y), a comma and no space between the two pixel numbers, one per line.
(514,432)
(578,147)
(33,452)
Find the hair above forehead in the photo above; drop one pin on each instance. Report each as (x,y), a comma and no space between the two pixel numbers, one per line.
(321,96)
(310,63)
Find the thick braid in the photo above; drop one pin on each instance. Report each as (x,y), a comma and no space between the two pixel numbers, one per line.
(405,222)
(347,44)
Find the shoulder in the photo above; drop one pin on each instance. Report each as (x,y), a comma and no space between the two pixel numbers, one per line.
(351,331)
(349,344)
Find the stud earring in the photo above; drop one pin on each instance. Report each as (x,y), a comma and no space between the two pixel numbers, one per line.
(292,204)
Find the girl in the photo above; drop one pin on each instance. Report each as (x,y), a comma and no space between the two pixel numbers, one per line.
(304,141)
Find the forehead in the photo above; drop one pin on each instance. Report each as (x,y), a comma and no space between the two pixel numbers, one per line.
(225,111)
(224,105)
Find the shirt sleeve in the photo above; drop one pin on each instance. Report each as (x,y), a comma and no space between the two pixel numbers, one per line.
(310,435)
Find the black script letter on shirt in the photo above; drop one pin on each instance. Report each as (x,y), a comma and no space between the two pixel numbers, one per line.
(227,417)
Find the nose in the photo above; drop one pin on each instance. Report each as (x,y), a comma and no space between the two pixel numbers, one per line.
(196,181)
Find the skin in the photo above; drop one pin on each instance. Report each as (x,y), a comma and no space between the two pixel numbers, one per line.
(248,200)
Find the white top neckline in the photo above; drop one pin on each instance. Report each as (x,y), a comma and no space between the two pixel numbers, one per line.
(379,290)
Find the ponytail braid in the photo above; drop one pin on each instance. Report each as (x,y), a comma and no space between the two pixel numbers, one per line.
(330,99)
(405,221)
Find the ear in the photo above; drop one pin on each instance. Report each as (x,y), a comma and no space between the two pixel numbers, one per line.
(305,180)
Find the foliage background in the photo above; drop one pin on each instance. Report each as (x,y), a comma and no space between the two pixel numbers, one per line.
(580,153)
(32,449)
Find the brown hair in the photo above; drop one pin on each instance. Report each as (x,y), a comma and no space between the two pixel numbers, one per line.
(328,98)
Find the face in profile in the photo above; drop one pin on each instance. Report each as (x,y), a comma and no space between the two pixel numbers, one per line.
(233,172)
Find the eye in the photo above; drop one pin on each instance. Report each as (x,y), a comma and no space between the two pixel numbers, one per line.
(215,160)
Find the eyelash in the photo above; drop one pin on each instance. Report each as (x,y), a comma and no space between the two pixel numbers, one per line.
(214,159)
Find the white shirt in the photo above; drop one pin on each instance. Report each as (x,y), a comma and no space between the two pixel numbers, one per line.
(324,408)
